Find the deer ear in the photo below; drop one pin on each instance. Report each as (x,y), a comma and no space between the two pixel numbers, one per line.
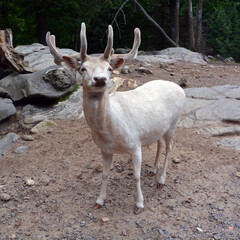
(116,62)
(71,62)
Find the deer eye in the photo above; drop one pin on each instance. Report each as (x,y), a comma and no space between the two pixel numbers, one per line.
(110,69)
(83,69)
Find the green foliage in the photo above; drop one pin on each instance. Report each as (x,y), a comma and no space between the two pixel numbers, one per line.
(63,19)
(224,31)
(67,96)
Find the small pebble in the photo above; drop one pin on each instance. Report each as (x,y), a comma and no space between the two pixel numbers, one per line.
(105,219)
(176,160)
(13,236)
(116,72)
(238,174)
(83,223)
(217,237)
(124,232)
(125,70)
(21,149)
(5,197)
(99,167)
(30,182)
(27,138)
(145,64)
(199,229)
(144,70)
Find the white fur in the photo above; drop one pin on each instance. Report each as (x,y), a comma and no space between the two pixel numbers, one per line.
(123,122)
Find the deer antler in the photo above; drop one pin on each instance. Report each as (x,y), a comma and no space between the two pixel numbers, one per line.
(109,47)
(50,40)
(133,53)
(83,53)
(58,57)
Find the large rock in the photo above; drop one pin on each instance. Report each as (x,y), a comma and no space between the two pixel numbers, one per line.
(7,141)
(174,54)
(38,56)
(220,131)
(4,93)
(209,106)
(30,115)
(222,110)
(217,92)
(233,142)
(51,83)
(7,108)
(203,93)
(228,91)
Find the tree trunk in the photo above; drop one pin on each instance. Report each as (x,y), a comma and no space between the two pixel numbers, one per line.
(9,57)
(5,13)
(199,26)
(174,19)
(191,26)
(155,24)
(41,19)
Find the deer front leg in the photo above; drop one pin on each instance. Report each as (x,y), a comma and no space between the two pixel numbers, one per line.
(107,160)
(137,161)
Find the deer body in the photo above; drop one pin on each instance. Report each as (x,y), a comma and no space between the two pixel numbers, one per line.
(124,122)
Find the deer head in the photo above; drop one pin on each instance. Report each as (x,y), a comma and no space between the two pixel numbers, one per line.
(95,71)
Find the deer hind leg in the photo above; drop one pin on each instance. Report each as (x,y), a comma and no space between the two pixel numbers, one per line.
(107,162)
(137,162)
(168,141)
(157,158)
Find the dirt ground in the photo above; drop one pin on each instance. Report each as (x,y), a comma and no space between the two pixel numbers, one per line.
(201,198)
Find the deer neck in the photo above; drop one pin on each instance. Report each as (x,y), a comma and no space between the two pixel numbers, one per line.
(96,106)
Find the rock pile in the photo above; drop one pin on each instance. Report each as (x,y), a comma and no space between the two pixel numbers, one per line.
(211,107)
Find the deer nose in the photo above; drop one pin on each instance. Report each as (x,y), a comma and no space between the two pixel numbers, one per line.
(100,81)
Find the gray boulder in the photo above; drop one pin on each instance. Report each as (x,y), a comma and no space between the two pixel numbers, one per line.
(232,142)
(38,56)
(71,108)
(31,115)
(228,91)
(203,93)
(208,106)
(174,54)
(220,131)
(222,110)
(4,93)
(7,141)
(7,108)
(51,83)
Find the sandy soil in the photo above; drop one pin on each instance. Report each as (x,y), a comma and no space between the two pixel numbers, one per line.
(201,198)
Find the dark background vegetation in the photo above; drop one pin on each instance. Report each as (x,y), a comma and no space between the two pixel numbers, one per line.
(31,19)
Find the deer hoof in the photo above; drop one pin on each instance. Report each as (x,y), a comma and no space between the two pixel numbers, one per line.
(151,174)
(138,210)
(97,206)
(160,186)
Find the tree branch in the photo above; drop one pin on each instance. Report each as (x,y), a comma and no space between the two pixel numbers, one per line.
(155,24)
(115,17)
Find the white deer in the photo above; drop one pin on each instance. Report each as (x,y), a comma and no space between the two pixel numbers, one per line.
(124,122)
